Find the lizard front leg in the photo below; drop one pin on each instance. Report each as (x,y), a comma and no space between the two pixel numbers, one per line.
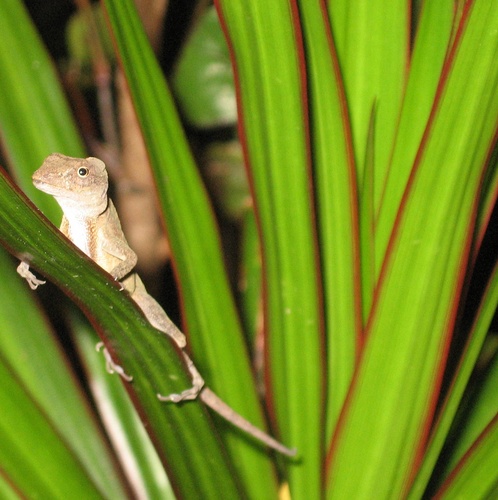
(117,258)
(33,281)
(110,365)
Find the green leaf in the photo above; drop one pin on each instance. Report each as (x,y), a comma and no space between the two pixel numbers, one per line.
(35,121)
(372,46)
(420,285)
(267,58)
(7,491)
(407,191)
(34,117)
(250,279)
(135,450)
(38,364)
(203,77)
(489,196)
(484,407)
(476,476)
(447,414)
(367,224)
(429,53)
(336,186)
(216,336)
(33,456)
(144,352)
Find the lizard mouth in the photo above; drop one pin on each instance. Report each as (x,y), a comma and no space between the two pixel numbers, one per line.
(38,184)
(44,186)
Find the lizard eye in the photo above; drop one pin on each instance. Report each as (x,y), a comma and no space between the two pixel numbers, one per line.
(82,171)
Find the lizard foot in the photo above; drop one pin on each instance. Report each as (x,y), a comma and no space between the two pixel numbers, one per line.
(188,394)
(33,281)
(121,285)
(110,366)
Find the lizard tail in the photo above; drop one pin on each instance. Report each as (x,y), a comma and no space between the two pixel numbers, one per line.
(219,406)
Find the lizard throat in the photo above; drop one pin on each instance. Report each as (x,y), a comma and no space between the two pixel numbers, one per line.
(82,232)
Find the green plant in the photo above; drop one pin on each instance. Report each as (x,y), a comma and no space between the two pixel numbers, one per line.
(371,162)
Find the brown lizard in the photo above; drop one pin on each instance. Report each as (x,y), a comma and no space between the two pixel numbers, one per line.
(91,222)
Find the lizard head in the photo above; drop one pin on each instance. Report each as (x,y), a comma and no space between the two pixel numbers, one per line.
(76,183)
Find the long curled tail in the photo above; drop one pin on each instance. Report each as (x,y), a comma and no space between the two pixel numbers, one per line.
(209,398)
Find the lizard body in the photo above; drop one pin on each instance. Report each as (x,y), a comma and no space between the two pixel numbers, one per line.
(91,222)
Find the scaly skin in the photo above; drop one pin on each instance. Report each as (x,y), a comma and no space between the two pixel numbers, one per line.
(91,222)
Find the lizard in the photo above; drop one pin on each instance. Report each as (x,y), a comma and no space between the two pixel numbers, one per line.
(91,222)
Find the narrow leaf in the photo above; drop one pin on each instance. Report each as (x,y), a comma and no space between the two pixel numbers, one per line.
(483,402)
(30,348)
(372,45)
(216,335)
(273,126)
(418,295)
(432,43)
(336,187)
(34,116)
(145,353)
(476,476)
(126,432)
(464,370)
(32,454)
(367,223)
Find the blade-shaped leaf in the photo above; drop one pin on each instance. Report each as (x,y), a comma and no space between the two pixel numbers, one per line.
(143,351)
(336,186)
(35,121)
(216,335)
(32,455)
(273,124)
(489,198)
(203,78)
(447,413)
(250,279)
(34,117)
(135,451)
(483,404)
(392,400)
(31,350)
(372,46)
(426,65)
(476,476)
